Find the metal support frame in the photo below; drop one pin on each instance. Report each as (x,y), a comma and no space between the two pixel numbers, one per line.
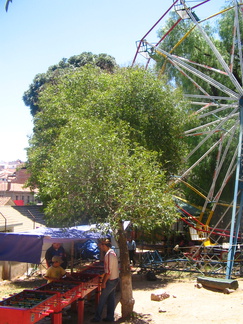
(238,197)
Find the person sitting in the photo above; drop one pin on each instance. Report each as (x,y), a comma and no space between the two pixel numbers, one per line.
(55,271)
(56,250)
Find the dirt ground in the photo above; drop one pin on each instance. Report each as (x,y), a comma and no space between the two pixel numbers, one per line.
(186,303)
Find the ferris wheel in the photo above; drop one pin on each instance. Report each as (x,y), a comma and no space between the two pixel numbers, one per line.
(212,80)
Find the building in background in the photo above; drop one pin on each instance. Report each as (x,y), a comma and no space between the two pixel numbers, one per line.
(13,176)
(19,211)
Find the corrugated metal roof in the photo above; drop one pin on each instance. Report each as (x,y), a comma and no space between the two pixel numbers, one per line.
(20,218)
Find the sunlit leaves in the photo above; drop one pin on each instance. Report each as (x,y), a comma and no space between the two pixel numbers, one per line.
(103,143)
(95,173)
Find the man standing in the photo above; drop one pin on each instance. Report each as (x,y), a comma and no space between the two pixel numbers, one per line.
(131,245)
(109,283)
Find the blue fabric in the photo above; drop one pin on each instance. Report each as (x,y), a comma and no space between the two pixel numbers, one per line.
(27,246)
(87,250)
(60,235)
(21,248)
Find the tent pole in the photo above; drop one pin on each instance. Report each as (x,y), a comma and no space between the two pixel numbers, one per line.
(72,256)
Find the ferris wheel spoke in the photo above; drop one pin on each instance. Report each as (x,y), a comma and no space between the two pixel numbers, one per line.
(205,106)
(215,200)
(185,173)
(188,95)
(216,52)
(232,54)
(219,126)
(231,169)
(182,67)
(226,150)
(215,111)
(232,131)
(216,173)
(189,132)
(202,75)
(196,84)
(239,42)
(201,65)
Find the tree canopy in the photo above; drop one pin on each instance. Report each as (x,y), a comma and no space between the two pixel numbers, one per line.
(102,147)
(152,110)
(96,174)
(41,80)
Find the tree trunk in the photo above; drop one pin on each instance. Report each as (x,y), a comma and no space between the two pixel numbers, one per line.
(127,301)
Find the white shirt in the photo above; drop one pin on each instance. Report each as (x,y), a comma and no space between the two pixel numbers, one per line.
(111,264)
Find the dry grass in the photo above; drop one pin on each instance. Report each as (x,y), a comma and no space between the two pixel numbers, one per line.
(8,288)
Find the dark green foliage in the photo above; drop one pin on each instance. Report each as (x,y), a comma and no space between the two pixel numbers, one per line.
(30,97)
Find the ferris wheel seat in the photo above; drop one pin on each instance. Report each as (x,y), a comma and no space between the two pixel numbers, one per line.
(197,235)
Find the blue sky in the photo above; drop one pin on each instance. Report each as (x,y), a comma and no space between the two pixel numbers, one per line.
(38,33)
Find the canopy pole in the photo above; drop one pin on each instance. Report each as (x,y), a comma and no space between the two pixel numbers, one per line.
(72,256)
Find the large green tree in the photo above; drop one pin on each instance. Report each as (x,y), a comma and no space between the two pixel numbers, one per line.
(101,146)
(154,111)
(96,174)
(41,80)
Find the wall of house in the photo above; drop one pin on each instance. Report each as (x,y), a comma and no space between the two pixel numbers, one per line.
(10,270)
(13,187)
(27,197)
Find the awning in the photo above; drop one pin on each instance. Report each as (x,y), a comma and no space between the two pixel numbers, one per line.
(27,246)
(20,247)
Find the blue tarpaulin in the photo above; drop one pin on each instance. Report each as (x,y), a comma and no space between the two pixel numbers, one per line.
(21,248)
(87,250)
(27,246)
(60,235)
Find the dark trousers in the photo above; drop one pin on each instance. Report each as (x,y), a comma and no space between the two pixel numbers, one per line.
(131,256)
